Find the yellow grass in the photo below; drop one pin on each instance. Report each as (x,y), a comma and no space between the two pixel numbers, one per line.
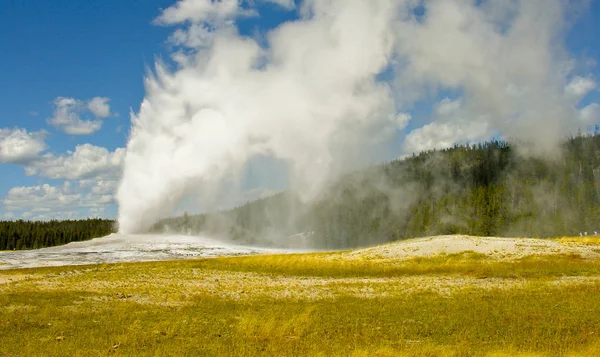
(326,304)
(590,240)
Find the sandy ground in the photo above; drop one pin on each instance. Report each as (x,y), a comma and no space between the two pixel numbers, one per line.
(134,248)
(497,248)
(117,248)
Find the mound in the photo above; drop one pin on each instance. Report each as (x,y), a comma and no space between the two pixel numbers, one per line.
(494,247)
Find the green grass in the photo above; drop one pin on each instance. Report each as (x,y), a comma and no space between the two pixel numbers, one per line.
(471,323)
(306,305)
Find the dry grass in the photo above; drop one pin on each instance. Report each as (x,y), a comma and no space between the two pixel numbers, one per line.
(587,240)
(343,264)
(326,304)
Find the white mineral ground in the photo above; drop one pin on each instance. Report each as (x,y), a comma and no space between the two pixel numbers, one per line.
(118,248)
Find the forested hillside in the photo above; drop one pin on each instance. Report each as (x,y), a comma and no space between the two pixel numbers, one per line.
(485,189)
(27,235)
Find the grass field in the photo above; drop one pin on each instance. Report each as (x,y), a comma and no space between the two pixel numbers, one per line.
(324,304)
(594,240)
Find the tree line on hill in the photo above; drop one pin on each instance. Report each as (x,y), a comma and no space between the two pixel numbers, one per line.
(486,189)
(17,235)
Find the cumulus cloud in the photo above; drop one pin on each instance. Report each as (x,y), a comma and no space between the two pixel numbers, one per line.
(210,12)
(198,11)
(101,186)
(447,107)
(92,175)
(314,97)
(43,196)
(18,146)
(46,201)
(68,112)
(439,135)
(402,120)
(579,87)
(448,129)
(85,162)
(590,114)
(99,107)
(505,57)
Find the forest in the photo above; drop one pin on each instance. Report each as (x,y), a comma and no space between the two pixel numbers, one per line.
(486,189)
(17,235)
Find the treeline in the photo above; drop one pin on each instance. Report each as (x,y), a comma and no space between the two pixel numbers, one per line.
(32,235)
(488,189)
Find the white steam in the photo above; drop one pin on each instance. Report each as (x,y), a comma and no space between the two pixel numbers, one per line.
(319,92)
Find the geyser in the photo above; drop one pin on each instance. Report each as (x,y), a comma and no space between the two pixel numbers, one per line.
(334,83)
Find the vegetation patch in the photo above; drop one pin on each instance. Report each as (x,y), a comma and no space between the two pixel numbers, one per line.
(323,304)
(486,189)
(464,264)
(593,240)
(32,235)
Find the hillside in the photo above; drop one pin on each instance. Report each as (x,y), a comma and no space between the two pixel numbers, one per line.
(486,189)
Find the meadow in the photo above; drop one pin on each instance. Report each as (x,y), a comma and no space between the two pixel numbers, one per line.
(319,304)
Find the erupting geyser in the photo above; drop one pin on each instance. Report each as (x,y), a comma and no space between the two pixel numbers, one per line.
(335,83)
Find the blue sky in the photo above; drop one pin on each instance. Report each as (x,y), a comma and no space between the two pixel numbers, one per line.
(103,49)
(81,49)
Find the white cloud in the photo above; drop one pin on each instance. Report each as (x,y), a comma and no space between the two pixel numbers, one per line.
(439,135)
(85,162)
(200,11)
(213,12)
(196,35)
(203,17)
(65,201)
(17,146)
(402,120)
(95,172)
(505,58)
(43,196)
(105,187)
(68,111)
(448,107)
(99,107)
(590,114)
(579,87)
(97,211)
(450,126)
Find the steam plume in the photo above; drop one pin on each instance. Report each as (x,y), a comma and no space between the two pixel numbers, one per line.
(319,92)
